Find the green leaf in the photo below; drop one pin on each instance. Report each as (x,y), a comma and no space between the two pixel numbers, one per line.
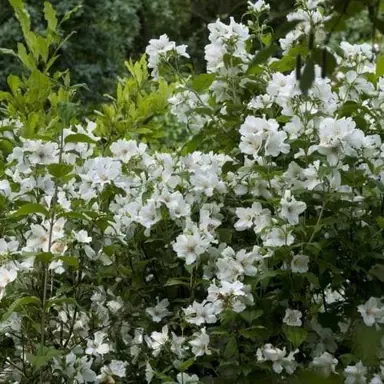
(380,66)
(186,364)
(225,235)
(44,356)
(60,301)
(59,170)
(27,59)
(380,221)
(325,60)
(44,257)
(202,82)
(171,282)
(379,23)
(72,261)
(366,343)
(50,16)
(231,350)
(19,304)
(285,28)
(263,55)
(30,208)
(257,331)
(310,377)
(308,76)
(69,14)
(10,52)
(79,138)
(250,315)
(295,335)
(378,272)
(312,278)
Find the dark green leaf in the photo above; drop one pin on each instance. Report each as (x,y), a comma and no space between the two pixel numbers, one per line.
(20,303)
(202,82)
(59,170)
(308,76)
(30,208)
(378,272)
(295,335)
(79,138)
(380,66)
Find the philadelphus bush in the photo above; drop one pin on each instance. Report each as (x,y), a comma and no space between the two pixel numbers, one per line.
(253,254)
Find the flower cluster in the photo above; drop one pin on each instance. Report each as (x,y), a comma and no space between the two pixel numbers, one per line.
(254,250)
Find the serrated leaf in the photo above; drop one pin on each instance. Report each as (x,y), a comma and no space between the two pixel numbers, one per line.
(50,16)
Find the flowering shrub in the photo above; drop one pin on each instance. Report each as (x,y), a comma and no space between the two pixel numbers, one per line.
(252,254)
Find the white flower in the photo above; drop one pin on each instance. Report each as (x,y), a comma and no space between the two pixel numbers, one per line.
(183,378)
(97,346)
(157,340)
(114,368)
(56,266)
(159,311)
(355,374)
(278,357)
(372,311)
(84,372)
(200,343)
(6,277)
(278,237)
(161,49)
(82,236)
(325,364)
(299,264)
(290,208)
(125,150)
(5,188)
(255,217)
(177,345)
(293,318)
(190,246)
(201,313)
(339,138)
(148,372)
(41,153)
(226,39)
(259,6)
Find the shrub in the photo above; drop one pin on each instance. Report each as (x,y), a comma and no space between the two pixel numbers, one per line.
(253,253)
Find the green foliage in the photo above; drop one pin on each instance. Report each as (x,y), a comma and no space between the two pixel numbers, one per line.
(135,110)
